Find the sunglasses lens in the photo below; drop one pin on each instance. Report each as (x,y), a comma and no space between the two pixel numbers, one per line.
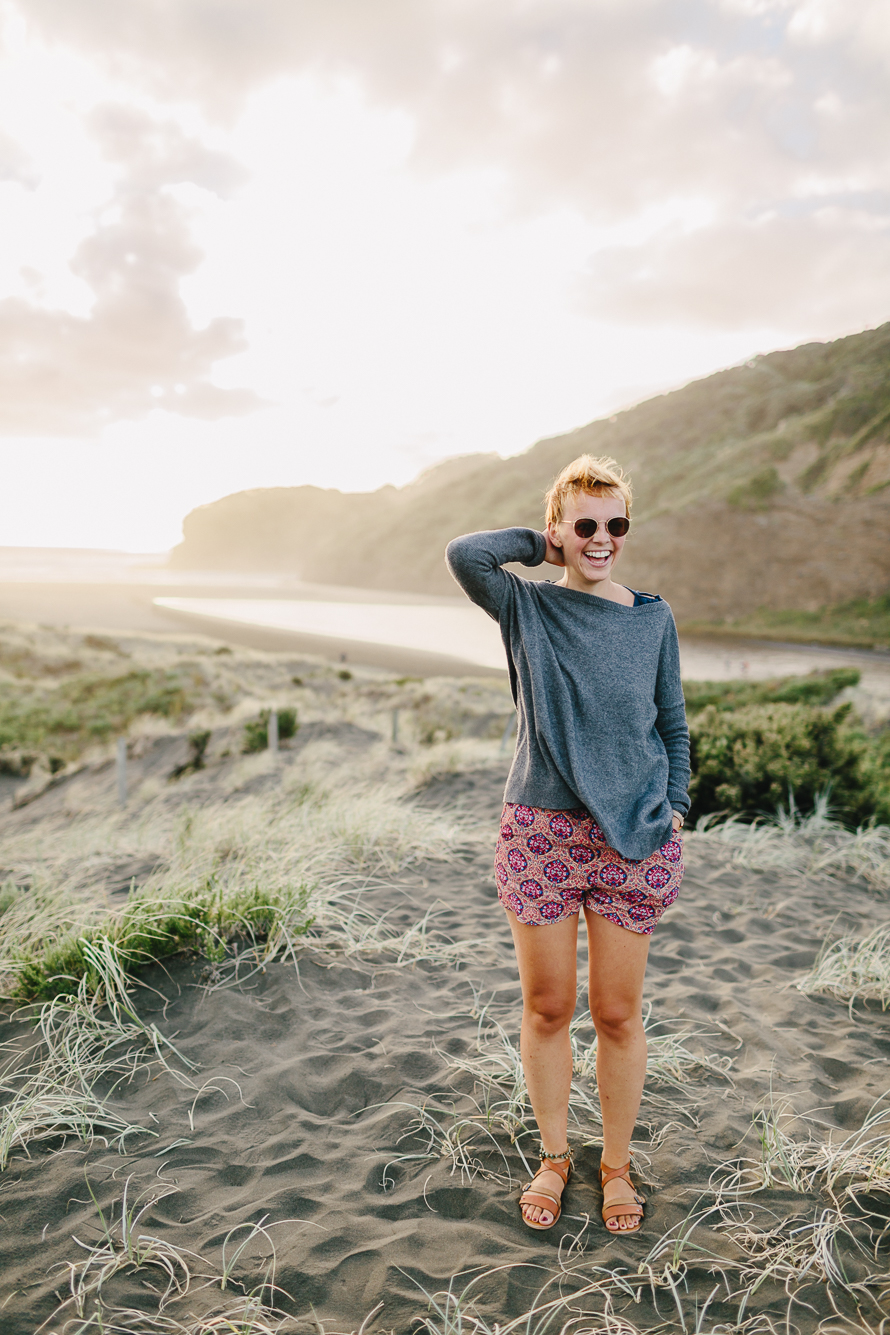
(585,528)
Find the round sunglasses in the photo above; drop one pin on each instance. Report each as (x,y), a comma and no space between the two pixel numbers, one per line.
(585,528)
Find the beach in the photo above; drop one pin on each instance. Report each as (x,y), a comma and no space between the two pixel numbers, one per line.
(348,1106)
(389,631)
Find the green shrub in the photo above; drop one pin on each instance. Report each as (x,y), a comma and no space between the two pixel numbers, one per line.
(256,731)
(197,744)
(88,707)
(152,928)
(818,688)
(759,757)
(876,765)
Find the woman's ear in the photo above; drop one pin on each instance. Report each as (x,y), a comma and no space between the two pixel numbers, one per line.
(553,534)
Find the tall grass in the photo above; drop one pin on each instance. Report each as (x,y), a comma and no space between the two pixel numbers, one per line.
(811,845)
(853,969)
(125,1246)
(819,1159)
(467,1129)
(829,1242)
(244,883)
(63,1084)
(262,867)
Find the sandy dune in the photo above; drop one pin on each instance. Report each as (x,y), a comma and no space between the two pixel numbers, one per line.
(313,1076)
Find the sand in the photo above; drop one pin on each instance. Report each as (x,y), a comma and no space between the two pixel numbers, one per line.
(312,1076)
(159,602)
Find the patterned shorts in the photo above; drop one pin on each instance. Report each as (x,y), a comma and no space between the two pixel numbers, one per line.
(551,864)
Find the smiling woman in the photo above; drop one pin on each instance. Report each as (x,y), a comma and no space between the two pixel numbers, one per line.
(588,519)
(595,801)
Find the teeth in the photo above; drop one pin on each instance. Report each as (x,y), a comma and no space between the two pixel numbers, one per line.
(593,556)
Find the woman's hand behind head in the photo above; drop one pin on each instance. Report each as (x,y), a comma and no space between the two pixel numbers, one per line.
(554,556)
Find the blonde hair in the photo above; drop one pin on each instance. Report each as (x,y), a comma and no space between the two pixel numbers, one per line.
(588,476)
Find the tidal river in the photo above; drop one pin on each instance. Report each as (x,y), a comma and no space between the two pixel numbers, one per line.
(463,632)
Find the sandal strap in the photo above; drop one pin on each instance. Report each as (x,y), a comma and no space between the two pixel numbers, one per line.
(633,1206)
(540,1198)
(562,1170)
(610,1212)
(610,1174)
(607,1173)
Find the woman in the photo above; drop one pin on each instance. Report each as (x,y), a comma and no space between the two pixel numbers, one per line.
(594,801)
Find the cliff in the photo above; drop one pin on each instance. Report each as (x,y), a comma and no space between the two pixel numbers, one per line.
(765,485)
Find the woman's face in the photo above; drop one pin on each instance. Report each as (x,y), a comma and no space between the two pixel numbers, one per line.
(589,562)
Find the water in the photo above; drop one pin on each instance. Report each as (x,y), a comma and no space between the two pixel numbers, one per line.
(460,630)
(463,632)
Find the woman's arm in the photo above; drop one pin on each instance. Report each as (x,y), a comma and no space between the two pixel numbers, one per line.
(671,721)
(475,561)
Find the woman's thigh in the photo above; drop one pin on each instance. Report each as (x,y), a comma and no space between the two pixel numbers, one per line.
(548,962)
(617,966)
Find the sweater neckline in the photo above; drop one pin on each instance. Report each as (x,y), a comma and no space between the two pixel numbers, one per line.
(606,603)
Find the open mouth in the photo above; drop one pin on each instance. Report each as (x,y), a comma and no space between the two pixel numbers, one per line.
(598,557)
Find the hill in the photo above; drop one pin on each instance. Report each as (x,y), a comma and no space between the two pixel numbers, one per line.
(765,486)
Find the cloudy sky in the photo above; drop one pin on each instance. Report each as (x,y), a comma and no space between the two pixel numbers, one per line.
(271,242)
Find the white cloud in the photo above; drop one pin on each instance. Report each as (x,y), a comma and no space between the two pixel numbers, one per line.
(135,349)
(420,227)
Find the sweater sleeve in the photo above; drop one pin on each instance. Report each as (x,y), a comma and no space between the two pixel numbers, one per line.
(671,720)
(475,561)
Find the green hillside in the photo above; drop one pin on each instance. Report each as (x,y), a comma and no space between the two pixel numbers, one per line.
(759,490)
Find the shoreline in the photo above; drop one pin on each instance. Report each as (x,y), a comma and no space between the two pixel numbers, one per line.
(120,608)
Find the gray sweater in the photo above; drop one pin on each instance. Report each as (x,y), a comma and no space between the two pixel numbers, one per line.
(602,722)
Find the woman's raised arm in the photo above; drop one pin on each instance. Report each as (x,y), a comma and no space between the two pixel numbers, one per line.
(475,561)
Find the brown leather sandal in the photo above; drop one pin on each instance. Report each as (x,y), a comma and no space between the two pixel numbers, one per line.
(561,1165)
(620,1207)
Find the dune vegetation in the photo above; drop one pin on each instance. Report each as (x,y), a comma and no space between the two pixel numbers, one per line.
(240,860)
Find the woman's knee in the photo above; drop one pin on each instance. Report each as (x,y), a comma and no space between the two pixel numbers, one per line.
(616,1018)
(548,1011)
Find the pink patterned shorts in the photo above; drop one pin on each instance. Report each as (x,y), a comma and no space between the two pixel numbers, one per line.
(551,864)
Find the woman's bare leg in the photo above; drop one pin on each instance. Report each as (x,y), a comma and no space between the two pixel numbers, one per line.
(547,957)
(617,969)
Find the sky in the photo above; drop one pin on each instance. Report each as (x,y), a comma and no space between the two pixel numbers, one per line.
(258,243)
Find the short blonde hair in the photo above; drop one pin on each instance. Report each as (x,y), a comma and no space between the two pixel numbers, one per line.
(588,476)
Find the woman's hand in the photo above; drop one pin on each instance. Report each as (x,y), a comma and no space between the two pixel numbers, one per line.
(554,556)
(677,823)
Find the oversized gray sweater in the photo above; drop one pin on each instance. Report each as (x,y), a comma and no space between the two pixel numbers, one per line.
(602,721)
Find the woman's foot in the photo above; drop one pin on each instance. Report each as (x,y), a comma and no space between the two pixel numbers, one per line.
(541,1200)
(619,1191)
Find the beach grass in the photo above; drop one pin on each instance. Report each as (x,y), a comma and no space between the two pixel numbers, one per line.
(853,969)
(810,844)
(177,1274)
(254,859)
